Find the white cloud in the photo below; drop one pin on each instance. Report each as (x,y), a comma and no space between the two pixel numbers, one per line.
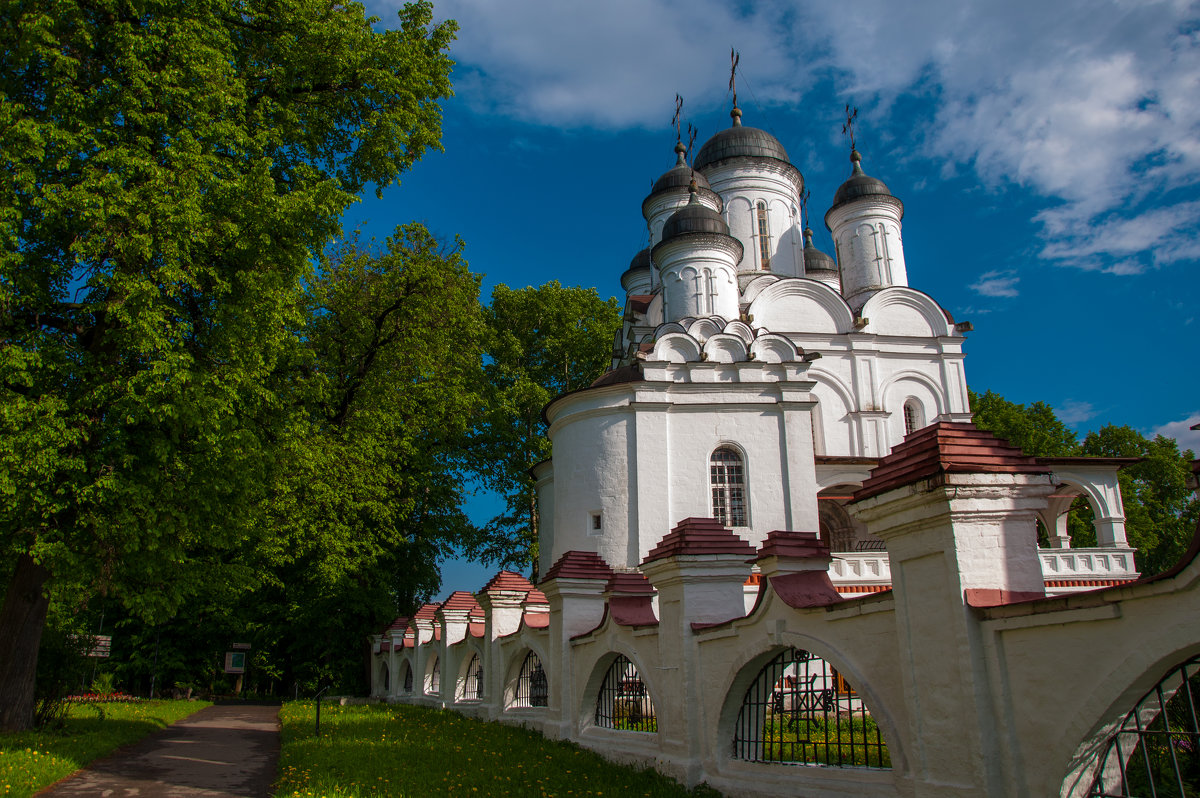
(1074,412)
(1182,432)
(1089,104)
(997,283)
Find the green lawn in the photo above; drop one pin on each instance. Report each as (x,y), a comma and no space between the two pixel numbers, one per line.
(30,761)
(412,751)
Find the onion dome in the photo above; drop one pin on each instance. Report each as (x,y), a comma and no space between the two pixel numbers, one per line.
(814,259)
(861,185)
(695,217)
(678,179)
(638,272)
(740,142)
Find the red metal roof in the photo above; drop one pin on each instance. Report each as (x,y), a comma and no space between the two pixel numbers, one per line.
(399,623)
(629,583)
(805,589)
(796,545)
(428,612)
(460,601)
(696,536)
(947,447)
(579,565)
(507,580)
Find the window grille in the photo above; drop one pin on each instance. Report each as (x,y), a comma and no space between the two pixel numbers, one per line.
(435,677)
(764,236)
(1154,752)
(727,476)
(473,683)
(800,710)
(532,687)
(408,678)
(912,417)
(623,702)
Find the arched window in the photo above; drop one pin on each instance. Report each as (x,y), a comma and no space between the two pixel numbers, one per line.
(913,420)
(408,678)
(799,709)
(727,476)
(532,688)
(473,681)
(435,677)
(764,236)
(387,681)
(623,702)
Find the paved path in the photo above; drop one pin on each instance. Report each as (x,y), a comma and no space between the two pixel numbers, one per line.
(219,751)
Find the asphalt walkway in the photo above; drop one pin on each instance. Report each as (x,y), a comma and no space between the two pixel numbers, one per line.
(229,750)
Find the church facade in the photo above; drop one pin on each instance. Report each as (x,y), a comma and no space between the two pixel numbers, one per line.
(777,557)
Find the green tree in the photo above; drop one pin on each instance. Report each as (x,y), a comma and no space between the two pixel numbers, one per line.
(1034,428)
(171,168)
(1161,513)
(541,342)
(370,494)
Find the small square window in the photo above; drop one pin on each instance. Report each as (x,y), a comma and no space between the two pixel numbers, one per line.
(595,523)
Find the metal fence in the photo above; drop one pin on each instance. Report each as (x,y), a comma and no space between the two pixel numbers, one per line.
(623,702)
(1154,752)
(532,688)
(473,682)
(800,710)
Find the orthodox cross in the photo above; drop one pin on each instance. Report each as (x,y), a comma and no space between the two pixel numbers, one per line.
(675,120)
(804,195)
(691,141)
(848,126)
(734,57)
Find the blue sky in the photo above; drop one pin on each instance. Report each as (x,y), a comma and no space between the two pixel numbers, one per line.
(1048,156)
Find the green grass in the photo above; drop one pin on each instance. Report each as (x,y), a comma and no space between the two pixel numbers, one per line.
(389,750)
(30,761)
(811,740)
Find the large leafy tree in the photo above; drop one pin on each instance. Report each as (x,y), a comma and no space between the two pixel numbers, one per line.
(171,168)
(541,342)
(1161,512)
(370,494)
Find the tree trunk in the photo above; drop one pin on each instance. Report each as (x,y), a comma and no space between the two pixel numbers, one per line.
(22,619)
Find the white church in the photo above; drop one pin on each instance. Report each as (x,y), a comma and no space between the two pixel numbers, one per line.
(757,380)
(777,558)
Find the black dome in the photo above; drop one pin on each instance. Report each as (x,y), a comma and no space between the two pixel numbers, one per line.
(859,185)
(679,176)
(814,259)
(694,218)
(740,142)
(640,261)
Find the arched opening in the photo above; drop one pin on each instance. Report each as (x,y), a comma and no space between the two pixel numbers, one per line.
(727,478)
(532,689)
(800,710)
(623,701)
(385,677)
(836,527)
(433,684)
(472,680)
(408,678)
(1156,749)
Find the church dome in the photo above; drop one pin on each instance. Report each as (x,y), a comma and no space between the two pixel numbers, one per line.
(695,217)
(679,176)
(814,259)
(859,185)
(739,142)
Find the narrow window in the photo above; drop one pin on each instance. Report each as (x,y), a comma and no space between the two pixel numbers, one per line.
(764,236)
(597,523)
(912,417)
(408,678)
(728,479)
